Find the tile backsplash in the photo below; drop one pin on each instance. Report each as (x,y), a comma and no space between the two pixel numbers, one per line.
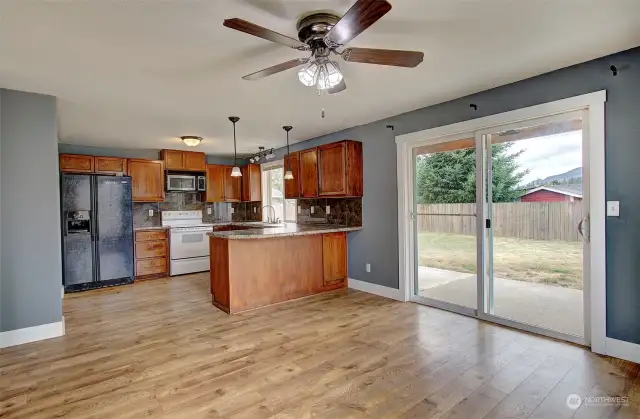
(176,201)
(342,211)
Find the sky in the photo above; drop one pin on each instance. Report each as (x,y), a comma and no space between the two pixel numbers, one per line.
(549,155)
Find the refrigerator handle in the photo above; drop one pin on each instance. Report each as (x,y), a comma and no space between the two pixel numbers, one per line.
(65,224)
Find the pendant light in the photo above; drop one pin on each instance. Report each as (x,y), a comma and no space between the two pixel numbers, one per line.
(235,172)
(288,175)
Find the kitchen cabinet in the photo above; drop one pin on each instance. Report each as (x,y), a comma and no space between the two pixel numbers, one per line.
(340,169)
(334,258)
(151,253)
(232,186)
(215,183)
(251,183)
(309,173)
(147,180)
(292,186)
(178,160)
(221,186)
(173,159)
(110,165)
(76,163)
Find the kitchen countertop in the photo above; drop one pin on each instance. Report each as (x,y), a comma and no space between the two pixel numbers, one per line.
(284,231)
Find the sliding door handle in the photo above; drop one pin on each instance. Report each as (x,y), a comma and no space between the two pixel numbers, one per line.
(581,228)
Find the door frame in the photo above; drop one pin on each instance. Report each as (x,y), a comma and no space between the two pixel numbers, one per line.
(593,127)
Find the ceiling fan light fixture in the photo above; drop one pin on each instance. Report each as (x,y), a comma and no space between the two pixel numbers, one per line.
(308,74)
(191,140)
(329,76)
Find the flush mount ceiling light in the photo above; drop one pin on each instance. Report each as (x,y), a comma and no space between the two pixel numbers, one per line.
(288,175)
(191,140)
(235,172)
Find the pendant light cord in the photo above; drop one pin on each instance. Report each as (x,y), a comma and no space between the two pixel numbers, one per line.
(235,152)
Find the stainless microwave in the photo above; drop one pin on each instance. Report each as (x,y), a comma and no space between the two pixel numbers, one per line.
(181,183)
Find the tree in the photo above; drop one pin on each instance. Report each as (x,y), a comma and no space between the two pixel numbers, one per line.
(450,177)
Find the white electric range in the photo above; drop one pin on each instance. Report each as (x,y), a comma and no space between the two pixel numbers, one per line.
(188,241)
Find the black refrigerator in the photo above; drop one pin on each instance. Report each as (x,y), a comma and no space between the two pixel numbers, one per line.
(97,231)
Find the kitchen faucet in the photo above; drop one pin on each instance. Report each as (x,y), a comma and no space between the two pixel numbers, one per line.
(270,220)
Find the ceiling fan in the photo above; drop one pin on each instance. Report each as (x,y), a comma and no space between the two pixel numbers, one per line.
(325,34)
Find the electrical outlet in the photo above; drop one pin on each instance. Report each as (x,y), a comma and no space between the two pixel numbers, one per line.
(328,210)
(209,211)
(299,209)
(231,210)
(255,210)
(150,213)
(312,207)
(367,267)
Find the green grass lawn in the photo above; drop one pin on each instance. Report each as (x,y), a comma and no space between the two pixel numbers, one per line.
(548,262)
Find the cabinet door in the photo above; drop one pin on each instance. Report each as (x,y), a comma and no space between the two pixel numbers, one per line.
(76,163)
(309,173)
(194,161)
(232,186)
(334,258)
(332,170)
(111,165)
(215,183)
(251,183)
(292,186)
(147,180)
(173,159)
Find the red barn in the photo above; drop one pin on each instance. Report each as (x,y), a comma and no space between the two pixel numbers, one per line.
(555,193)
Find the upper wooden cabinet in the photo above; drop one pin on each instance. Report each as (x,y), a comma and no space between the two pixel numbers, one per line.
(221,186)
(147,180)
(215,183)
(191,161)
(110,165)
(251,183)
(292,186)
(76,163)
(232,186)
(308,173)
(340,169)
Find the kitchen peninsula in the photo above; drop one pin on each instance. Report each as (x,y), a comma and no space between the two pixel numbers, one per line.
(257,267)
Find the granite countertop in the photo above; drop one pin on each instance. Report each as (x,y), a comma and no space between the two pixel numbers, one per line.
(284,231)
(150,228)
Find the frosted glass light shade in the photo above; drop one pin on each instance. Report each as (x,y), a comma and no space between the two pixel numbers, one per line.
(235,172)
(307,75)
(328,76)
(191,141)
(288,175)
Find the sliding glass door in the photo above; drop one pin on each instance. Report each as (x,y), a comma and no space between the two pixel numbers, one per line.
(501,225)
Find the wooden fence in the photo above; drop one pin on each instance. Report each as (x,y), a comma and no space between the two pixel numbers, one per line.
(523,220)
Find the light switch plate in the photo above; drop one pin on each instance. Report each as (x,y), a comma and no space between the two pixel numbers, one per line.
(209,211)
(255,210)
(367,267)
(613,208)
(312,207)
(150,213)
(231,210)
(328,210)
(299,209)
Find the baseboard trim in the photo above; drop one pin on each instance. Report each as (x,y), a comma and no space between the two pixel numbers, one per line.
(376,289)
(623,350)
(32,334)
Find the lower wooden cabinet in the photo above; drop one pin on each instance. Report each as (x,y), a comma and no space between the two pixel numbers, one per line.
(334,259)
(151,254)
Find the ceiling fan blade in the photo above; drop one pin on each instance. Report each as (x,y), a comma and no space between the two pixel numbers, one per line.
(264,33)
(362,14)
(276,69)
(393,57)
(339,88)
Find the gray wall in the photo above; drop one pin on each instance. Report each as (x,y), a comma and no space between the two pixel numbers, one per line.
(377,243)
(30,244)
(128,153)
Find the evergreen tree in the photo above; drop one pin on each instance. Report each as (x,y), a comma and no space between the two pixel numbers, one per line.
(450,177)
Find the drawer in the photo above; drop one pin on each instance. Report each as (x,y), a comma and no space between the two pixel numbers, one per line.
(151,266)
(151,249)
(148,235)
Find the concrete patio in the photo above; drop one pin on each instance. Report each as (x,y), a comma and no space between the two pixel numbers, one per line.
(542,305)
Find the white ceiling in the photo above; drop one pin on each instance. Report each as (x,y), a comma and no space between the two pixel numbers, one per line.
(139,73)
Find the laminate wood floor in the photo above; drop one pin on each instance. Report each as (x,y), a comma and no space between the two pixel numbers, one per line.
(159,349)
